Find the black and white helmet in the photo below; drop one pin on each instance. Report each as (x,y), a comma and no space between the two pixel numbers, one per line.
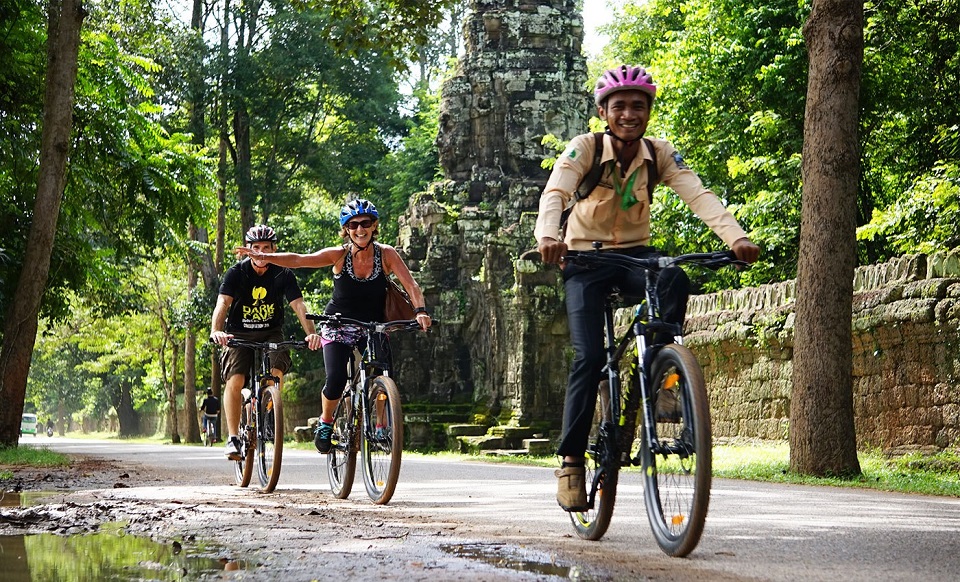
(260,232)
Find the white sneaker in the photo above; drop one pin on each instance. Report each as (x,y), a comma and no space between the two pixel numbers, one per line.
(232,449)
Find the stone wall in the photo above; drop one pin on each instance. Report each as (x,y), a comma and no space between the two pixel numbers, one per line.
(906,355)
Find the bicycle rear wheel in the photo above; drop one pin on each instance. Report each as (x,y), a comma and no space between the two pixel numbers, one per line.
(342,458)
(270,438)
(677,477)
(382,440)
(244,467)
(602,469)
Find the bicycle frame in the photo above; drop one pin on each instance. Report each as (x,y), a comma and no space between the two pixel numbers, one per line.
(370,402)
(361,370)
(676,498)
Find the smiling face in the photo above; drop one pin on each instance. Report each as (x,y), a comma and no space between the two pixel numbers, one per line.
(626,113)
(361,229)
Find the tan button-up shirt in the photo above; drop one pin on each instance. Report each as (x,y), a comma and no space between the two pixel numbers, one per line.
(600,217)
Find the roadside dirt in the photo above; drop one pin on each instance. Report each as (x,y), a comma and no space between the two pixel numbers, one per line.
(302,535)
(290,536)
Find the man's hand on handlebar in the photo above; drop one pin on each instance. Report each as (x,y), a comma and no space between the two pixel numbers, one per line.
(220,337)
(746,251)
(551,250)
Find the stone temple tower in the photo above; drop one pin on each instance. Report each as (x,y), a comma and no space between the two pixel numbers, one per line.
(500,346)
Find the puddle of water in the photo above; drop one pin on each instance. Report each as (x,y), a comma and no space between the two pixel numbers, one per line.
(512,559)
(110,555)
(25,498)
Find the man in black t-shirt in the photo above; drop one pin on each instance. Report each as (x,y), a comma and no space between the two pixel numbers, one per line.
(250,306)
(210,410)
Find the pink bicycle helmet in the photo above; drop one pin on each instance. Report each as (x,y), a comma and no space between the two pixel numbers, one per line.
(622,78)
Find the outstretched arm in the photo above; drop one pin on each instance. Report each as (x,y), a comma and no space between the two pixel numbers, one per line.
(322,258)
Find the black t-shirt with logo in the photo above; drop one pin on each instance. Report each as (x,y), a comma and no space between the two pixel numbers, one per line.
(258,299)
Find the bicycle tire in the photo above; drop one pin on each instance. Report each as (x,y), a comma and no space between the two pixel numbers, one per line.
(270,438)
(342,458)
(676,488)
(602,468)
(244,467)
(382,447)
(208,435)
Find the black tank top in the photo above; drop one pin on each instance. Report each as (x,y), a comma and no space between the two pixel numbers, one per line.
(362,299)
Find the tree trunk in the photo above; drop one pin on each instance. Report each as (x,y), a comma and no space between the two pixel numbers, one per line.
(127,415)
(191,426)
(20,324)
(174,415)
(213,282)
(197,129)
(822,435)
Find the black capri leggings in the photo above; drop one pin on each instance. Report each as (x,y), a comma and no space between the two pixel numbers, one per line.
(335,358)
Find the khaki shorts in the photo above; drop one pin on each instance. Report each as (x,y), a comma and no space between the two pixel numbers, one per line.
(238,360)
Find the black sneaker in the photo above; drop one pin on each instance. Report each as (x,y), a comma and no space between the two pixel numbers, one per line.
(321,438)
(232,449)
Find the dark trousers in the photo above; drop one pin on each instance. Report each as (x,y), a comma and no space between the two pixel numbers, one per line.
(586,290)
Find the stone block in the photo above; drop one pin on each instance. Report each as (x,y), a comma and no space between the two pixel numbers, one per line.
(456,430)
(477,444)
(512,432)
(538,447)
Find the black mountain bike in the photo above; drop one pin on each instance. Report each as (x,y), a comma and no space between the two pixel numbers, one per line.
(369,418)
(662,387)
(261,416)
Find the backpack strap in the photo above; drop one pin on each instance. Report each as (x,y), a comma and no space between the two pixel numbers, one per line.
(653,172)
(590,181)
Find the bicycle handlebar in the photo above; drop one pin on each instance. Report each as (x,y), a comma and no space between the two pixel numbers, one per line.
(242,343)
(376,326)
(713,260)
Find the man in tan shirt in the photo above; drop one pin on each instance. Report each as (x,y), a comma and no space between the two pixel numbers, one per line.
(617,215)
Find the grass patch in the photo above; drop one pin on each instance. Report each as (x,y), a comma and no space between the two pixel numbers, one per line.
(32,456)
(937,474)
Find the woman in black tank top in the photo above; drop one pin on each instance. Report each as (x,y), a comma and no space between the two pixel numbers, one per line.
(361,268)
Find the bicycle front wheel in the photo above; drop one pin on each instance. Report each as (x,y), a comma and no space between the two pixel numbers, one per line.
(269,438)
(602,473)
(677,475)
(382,440)
(342,458)
(244,467)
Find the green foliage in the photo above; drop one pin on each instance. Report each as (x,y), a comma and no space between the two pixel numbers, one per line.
(401,25)
(414,165)
(732,84)
(926,219)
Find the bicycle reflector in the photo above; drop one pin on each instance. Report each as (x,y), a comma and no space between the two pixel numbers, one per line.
(671,381)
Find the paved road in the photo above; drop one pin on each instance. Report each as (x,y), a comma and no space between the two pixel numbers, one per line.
(754,530)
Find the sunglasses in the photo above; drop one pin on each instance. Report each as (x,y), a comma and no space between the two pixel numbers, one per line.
(355,224)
